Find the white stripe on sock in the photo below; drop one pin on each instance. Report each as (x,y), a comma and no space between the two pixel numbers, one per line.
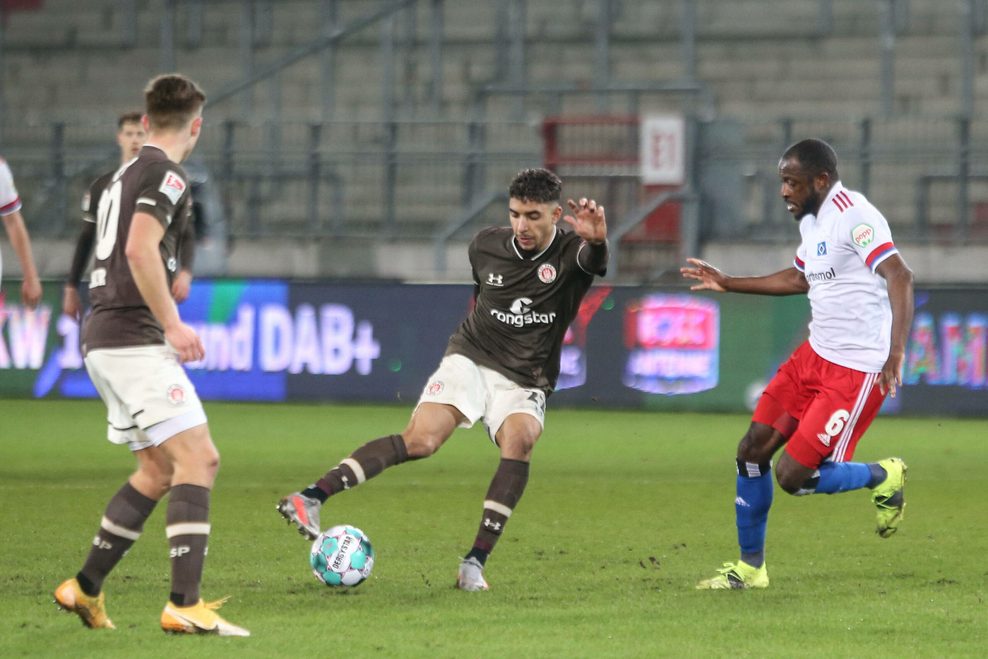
(119,531)
(187,528)
(499,508)
(358,471)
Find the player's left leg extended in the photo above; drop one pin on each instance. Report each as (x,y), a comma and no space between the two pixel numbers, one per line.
(302,508)
(428,429)
(817,457)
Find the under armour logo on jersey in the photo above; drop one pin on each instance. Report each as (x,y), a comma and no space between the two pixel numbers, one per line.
(495,280)
(821,249)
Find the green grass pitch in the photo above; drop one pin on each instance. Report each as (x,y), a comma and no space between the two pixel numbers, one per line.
(624,512)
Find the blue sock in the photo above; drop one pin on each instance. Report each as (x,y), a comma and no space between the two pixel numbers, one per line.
(842,477)
(754,498)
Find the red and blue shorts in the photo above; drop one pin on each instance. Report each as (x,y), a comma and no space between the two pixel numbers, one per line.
(823,408)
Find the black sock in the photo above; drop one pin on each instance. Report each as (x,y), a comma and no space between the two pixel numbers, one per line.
(479,554)
(86,585)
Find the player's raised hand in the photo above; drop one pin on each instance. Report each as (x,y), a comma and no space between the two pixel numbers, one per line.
(184,340)
(710,278)
(587,220)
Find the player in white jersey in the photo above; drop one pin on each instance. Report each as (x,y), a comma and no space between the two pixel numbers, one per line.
(828,392)
(13,222)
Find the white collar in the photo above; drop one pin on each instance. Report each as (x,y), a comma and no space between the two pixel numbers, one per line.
(514,245)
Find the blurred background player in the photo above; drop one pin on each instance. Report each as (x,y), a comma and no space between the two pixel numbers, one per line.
(131,136)
(134,343)
(13,223)
(824,397)
(500,364)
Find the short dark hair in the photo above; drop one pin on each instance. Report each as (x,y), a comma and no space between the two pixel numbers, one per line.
(536,184)
(816,157)
(172,100)
(129,117)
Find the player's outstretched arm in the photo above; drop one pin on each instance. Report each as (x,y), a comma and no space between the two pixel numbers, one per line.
(785,282)
(900,287)
(710,278)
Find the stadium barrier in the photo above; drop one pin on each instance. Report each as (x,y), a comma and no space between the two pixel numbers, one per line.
(629,347)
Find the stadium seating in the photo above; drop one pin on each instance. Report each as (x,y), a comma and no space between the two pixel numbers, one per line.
(781,69)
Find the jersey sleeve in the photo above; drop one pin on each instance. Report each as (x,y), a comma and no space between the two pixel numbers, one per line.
(162,193)
(799,261)
(869,235)
(472,256)
(10,201)
(592,259)
(90,200)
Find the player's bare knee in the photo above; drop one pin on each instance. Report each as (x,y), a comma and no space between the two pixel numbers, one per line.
(518,445)
(211,462)
(752,449)
(789,479)
(788,483)
(152,483)
(421,444)
(759,444)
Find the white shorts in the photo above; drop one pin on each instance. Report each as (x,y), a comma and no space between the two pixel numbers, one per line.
(479,392)
(149,398)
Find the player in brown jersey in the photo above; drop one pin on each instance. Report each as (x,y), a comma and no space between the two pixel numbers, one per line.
(131,136)
(134,343)
(500,364)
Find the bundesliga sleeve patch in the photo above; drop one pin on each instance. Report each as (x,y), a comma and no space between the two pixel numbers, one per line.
(172,186)
(862,235)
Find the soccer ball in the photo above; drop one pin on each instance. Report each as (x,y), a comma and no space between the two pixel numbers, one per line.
(342,556)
